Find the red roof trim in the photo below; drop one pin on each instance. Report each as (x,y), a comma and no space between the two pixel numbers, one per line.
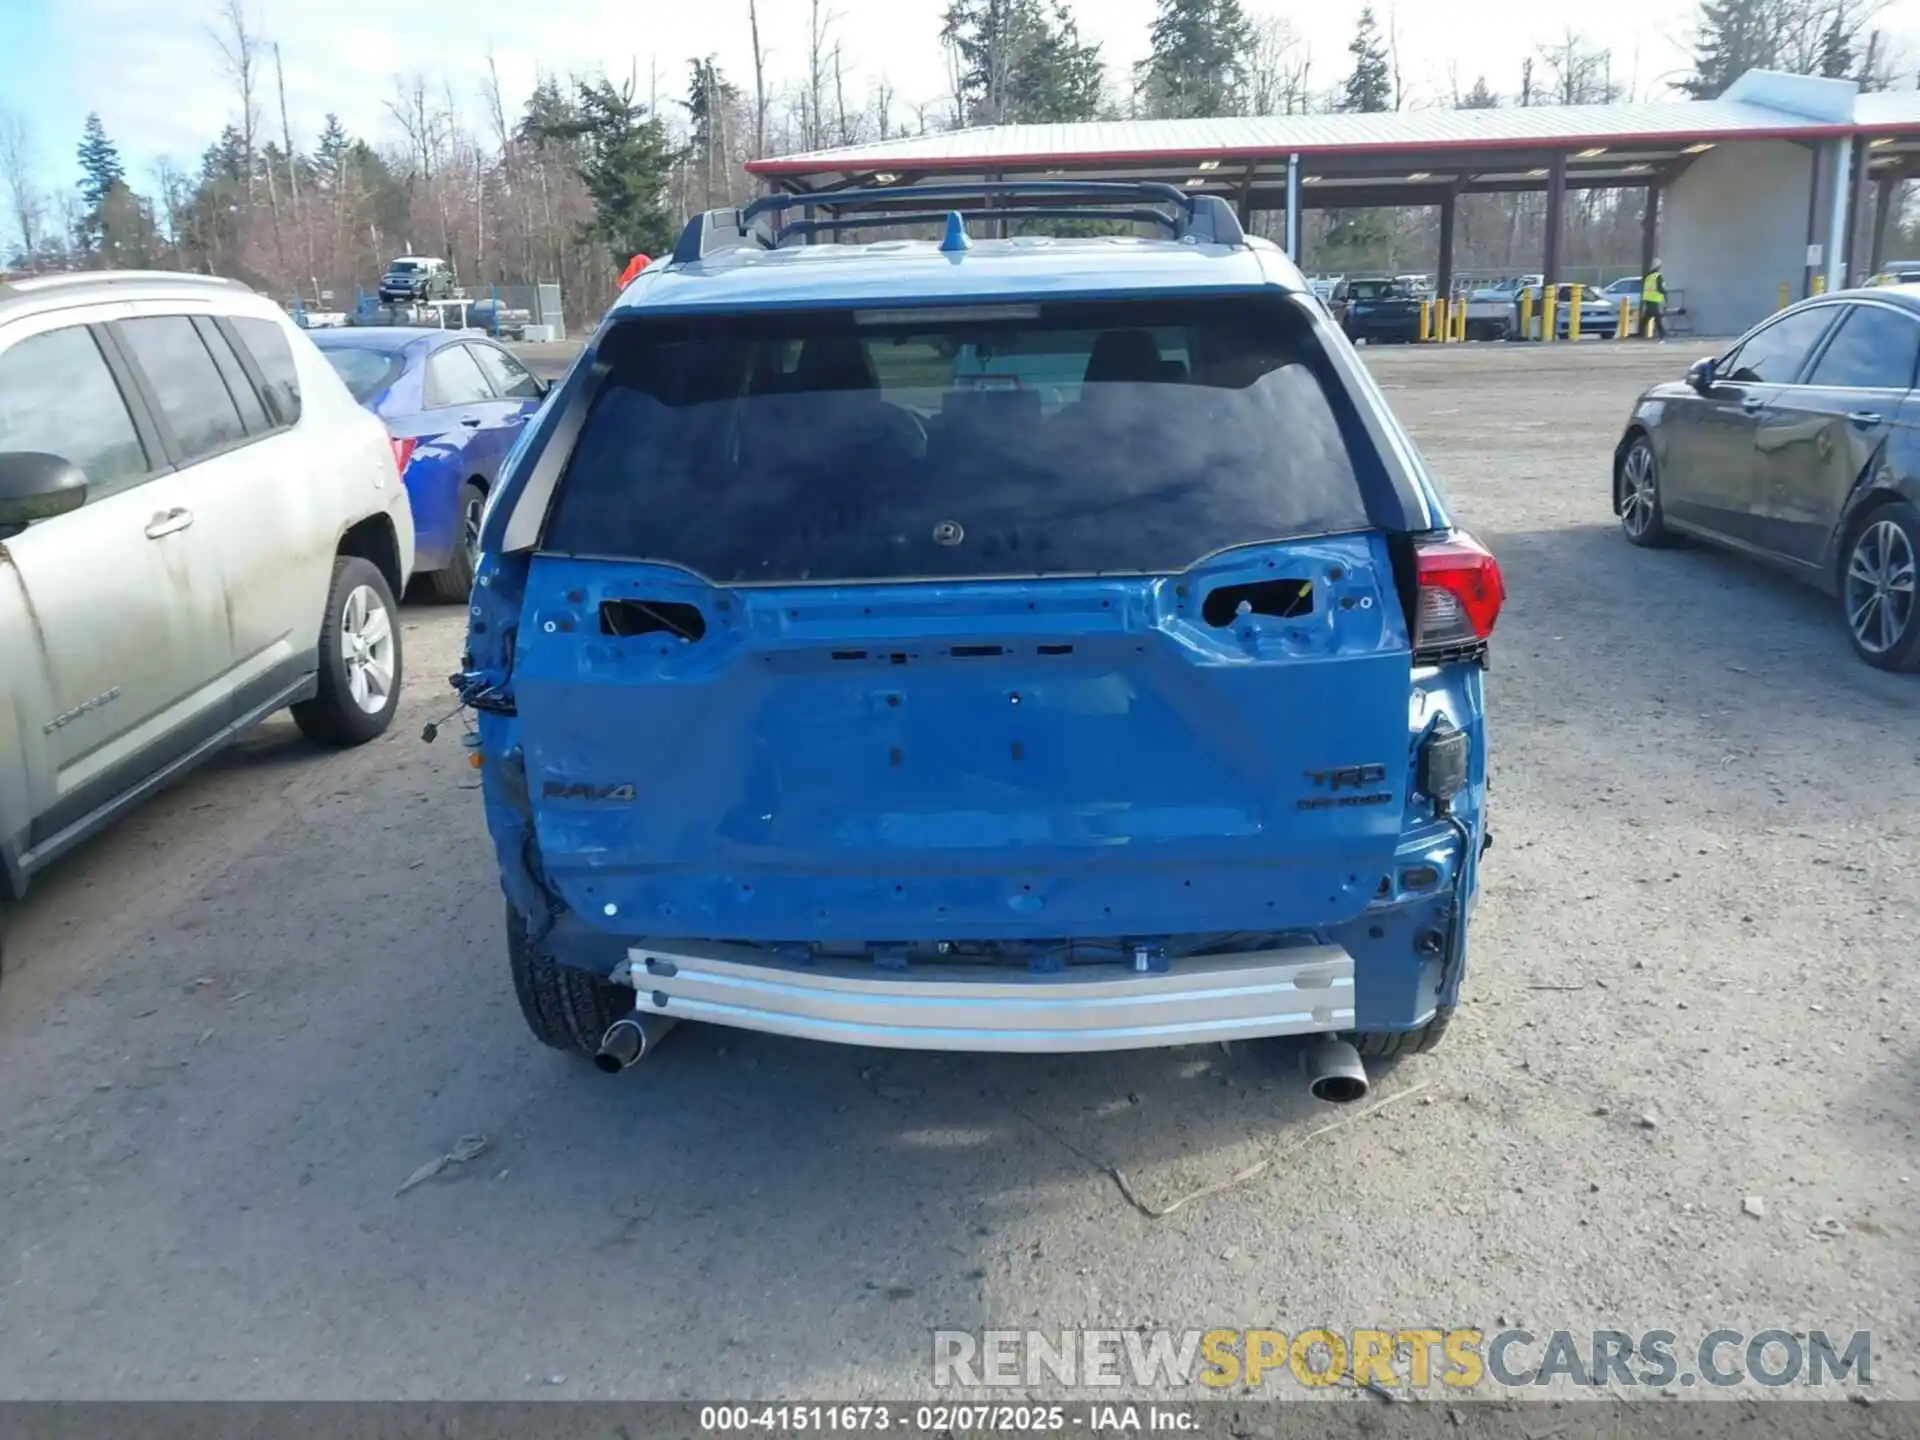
(824,164)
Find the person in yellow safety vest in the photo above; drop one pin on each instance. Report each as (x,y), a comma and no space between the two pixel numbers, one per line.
(1653,304)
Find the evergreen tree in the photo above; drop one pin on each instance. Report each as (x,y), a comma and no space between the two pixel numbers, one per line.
(100,174)
(1480,97)
(1021,63)
(1198,62)
(622,156)
(1735,36)
(1369,86)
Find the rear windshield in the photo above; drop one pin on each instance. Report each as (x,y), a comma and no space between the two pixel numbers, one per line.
(367,372)
(1377,290)
(1012,440)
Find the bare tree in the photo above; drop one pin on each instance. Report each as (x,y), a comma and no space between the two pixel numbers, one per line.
(24,203)
(1393,58)
(759,82)
(1278,68)
(883,107)
(239,46)
(814,126)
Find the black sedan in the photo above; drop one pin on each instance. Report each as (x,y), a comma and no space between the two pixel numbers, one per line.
(1800,446)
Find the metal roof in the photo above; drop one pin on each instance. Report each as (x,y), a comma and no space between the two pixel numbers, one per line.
(1761,105)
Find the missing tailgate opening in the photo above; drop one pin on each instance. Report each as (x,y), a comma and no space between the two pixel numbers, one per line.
(1281,599)
(975,652)
(628,618)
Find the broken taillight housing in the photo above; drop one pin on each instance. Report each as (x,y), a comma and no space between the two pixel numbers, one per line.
(403,452)
(1460,594)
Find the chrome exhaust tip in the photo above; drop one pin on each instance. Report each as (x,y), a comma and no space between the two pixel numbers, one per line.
(1335,1072)
(629,1041)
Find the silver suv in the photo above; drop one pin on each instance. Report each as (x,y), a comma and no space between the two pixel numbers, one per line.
(198,527)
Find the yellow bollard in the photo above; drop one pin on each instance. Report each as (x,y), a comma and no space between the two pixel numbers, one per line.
(1460,320)
(1549,315)
(1786,296)
(1625,328)
(1819,284)
(1573,313)
(1426,318)
(1526,314)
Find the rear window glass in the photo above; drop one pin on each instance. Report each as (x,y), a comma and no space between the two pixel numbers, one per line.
(1071,439)
(1376,290)
(367,372)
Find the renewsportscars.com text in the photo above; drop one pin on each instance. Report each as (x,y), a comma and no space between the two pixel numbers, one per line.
(1414,1358)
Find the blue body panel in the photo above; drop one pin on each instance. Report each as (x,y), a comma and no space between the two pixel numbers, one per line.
(1063,766)
(453,444)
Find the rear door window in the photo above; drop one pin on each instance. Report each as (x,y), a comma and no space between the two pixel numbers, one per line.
(510,378)
(272,353)
(57,397)
(1009,440)
(453,378)
(245,398)
(194,401)
(1874,349)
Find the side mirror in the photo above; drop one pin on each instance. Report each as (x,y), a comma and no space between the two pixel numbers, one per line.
(36,486)
(1700,375)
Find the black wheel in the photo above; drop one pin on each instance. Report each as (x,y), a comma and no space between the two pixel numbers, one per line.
(1391,1044)
(566,1008)
(359,659)
(1878,587)
(1642,520)
(455,583)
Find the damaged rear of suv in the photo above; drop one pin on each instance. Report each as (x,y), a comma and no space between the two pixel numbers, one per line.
(1012,645)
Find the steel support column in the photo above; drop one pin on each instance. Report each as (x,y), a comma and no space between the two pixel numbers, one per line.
(1293,207)
(1859,212)
(1886,191)
(1820,176)
(1837,223)
(1650,231)
(1556,219)
(1443,286)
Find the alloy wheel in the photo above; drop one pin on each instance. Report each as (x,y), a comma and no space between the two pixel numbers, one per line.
(367,647)
(1880,586)
(1641,495)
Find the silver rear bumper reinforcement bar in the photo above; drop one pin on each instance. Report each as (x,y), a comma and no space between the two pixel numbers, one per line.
(1296,991)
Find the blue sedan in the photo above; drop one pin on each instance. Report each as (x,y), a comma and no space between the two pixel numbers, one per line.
(454,403)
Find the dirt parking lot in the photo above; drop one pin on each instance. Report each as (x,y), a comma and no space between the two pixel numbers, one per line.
(1682,1091)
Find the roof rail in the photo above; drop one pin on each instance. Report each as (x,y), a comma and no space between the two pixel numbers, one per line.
(763,224)
(106,279)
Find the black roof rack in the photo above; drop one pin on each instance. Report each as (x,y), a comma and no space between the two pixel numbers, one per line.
(764,224)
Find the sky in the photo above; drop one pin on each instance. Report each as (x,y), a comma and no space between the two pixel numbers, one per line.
(152,71)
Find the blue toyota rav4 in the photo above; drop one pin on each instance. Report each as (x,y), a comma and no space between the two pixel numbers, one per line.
(1028,644)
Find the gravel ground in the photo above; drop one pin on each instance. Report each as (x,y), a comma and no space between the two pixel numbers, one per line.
(237,1023)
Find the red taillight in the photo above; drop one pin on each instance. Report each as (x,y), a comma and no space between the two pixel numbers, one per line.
(402,453)
(1460,594)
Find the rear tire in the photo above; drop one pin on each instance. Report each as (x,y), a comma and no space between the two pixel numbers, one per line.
(1391,1044)
(1642,520)
(360,665)
(1880,587)
(454,584)
(565,1008)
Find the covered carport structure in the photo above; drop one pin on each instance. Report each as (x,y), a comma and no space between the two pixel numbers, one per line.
(1783,178)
